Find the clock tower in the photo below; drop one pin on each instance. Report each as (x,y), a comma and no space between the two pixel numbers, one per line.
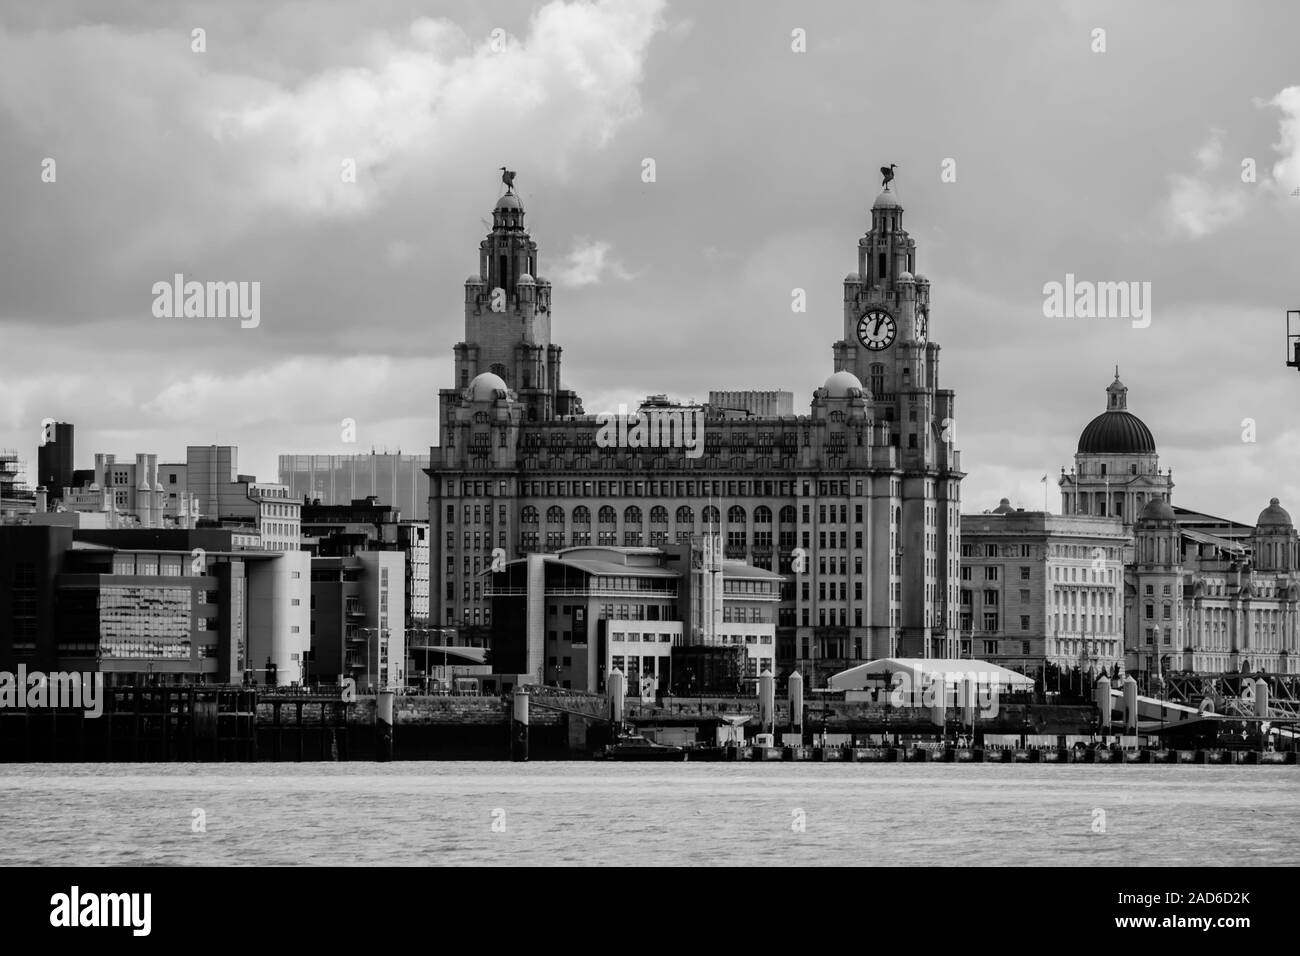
(508,324)
(886,347)
(886,342)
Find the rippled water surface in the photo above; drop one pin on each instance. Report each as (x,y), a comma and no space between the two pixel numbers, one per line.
(585,813)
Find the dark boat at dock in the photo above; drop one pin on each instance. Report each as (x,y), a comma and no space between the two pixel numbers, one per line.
(636,747)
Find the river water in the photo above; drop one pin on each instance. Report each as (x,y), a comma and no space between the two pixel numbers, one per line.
(656,814)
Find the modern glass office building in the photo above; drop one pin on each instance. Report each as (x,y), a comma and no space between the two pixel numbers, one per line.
(397,480)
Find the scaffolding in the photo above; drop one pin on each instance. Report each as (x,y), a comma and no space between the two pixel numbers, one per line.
(13,475)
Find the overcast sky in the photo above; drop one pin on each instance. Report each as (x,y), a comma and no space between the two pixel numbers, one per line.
(1123,165)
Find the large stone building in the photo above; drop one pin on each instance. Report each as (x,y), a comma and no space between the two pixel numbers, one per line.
(1039,588)
(1208,603)
(861,492)
(1124,577)
(1202,593)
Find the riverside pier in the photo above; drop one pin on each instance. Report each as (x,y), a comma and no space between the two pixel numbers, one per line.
(205,723)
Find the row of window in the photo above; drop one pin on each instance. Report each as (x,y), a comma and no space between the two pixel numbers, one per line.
(667,488)
(1008,648)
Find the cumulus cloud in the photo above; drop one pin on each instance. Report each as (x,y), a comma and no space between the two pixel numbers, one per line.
(1197,209)
(588,264)
(198,138)
(572,81)
(1201,204)
(1286,171)
(1210,155)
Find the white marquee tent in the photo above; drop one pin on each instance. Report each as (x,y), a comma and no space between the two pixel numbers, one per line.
(920,671)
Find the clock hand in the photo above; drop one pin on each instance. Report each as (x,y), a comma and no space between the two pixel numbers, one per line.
(878,323)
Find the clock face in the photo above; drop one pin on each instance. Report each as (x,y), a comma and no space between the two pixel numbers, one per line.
(877,329)
(922,327)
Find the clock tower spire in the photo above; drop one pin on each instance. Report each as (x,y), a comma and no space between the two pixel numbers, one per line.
(508,320)
(886,342)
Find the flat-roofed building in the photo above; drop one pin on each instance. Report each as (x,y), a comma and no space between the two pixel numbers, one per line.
(1039,588)
(226,498)
(569,618)
(151,605)
(751,403)
(358,619)
(395,479)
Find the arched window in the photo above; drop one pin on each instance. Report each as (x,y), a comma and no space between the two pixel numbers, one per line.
(735,515)
(607,515)
(555,515)
(711,515)
(788,515)
(582,515)
(658,515)
(528,515)
(762,515)
(685,515)
(632,515)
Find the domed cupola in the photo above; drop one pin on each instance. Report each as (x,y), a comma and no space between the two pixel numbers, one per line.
(1117,431)
(1157,513)
(843,384)
(508,213)
(887,199)
(1276,545)
(1157,536)
(487,388)
(1274,516)
(1117,470)
(842,395)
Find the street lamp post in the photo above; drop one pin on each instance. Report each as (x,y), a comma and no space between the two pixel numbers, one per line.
(380,633)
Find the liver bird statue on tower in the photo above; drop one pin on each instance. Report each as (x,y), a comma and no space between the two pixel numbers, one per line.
(888,173)
(508,177)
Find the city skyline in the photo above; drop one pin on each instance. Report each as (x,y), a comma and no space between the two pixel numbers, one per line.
(362,282)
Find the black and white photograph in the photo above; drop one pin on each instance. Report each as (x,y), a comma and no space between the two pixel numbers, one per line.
(649,433)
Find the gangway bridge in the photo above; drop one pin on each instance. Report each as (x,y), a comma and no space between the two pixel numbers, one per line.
(1214,699)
